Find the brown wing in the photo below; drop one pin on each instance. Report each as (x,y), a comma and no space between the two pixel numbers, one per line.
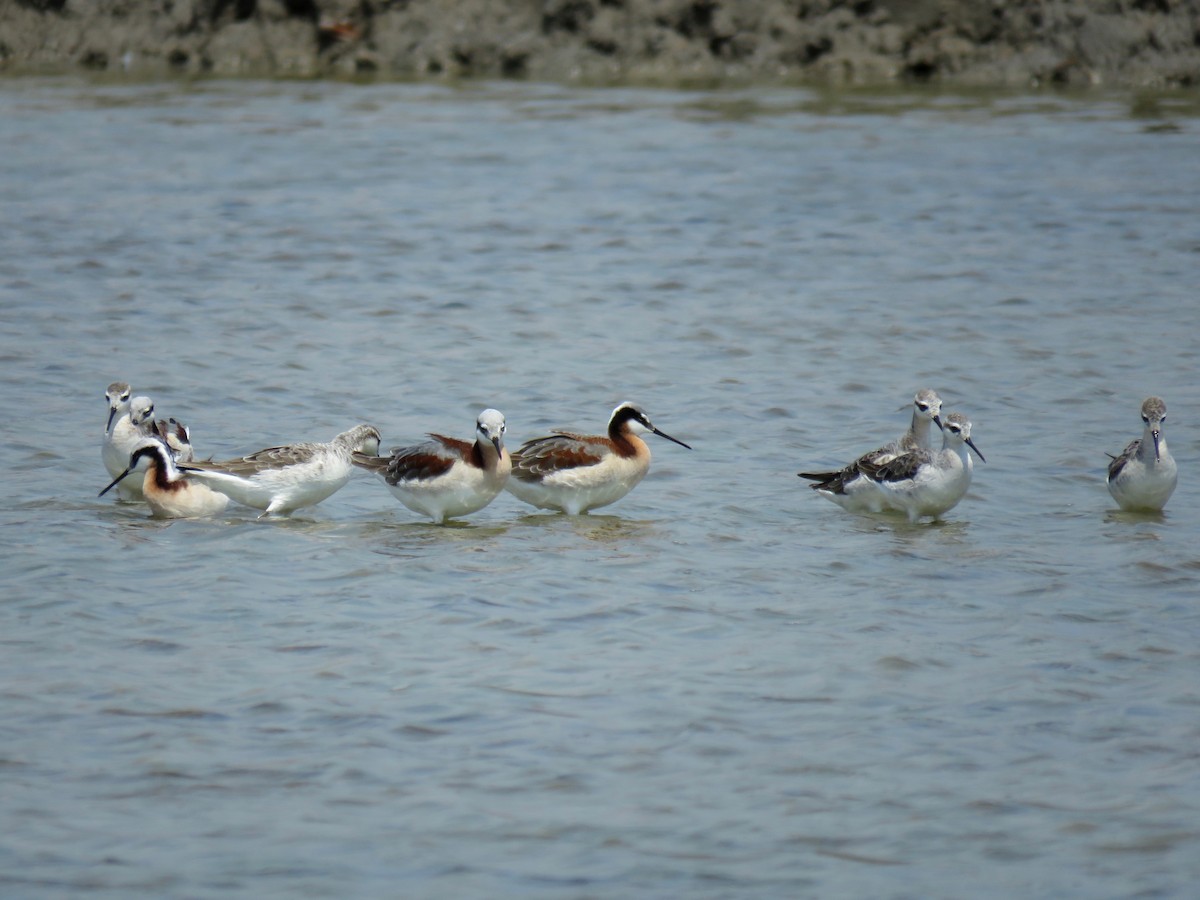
(562,450)
(419,462)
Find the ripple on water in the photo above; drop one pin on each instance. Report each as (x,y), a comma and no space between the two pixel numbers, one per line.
(721,685)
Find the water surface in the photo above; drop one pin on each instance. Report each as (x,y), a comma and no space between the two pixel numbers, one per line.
(721,686)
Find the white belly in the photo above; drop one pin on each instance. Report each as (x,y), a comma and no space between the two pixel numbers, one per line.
(578,490)
(460,492)
(1144,487)
(116,450)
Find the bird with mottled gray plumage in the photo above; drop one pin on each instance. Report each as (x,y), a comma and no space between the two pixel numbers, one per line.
(281,480)
(929,482)
(851,488)
(1144,475)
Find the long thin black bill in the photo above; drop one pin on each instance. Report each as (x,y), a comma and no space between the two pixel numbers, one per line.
(663,434)
(113,483)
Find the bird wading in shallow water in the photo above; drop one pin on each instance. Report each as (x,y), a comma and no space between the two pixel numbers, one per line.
(168,492)
(1144,476)
(445,478)
(281,480)
(576,473)
(129,420)
(851,487)
(929,482)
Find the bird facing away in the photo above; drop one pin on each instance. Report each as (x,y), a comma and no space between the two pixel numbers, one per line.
(929,482)
(445,478)
(177,437)
(281,480)
(576,473)
(1144,476)
(854,490)
(168,492)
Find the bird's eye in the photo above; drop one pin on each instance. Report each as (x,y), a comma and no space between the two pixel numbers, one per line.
(1146,419)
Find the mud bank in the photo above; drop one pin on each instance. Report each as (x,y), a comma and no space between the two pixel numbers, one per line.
(1151,43)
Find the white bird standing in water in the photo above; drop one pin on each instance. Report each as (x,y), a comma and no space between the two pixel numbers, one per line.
(851,487)
(129,420)
(280,480)
(928,482)
(1144,476)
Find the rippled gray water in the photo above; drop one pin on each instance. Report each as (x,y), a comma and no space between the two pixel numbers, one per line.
(723,687)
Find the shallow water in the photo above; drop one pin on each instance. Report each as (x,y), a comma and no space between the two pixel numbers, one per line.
(722,686)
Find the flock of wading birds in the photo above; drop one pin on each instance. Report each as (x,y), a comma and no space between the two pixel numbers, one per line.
(445,478)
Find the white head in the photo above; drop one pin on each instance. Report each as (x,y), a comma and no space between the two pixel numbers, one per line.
(369,442)
(117,396)
(957,431)
(928,405)
(1154,414)
(360,439)
(490,428)
(141,410)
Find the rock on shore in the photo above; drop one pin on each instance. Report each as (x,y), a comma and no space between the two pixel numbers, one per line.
(1154,43)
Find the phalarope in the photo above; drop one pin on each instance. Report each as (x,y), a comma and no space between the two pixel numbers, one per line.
(129,420)
(114,455)
(575,472)
(851,488)
(444,478)
(169,493)
(927,482)
(1144,476)
(284,479)
(177,437)
(117,394)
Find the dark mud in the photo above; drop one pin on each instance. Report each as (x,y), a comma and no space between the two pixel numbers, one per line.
(1143,43)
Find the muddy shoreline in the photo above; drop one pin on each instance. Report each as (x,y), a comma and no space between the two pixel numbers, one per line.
(1030,43)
